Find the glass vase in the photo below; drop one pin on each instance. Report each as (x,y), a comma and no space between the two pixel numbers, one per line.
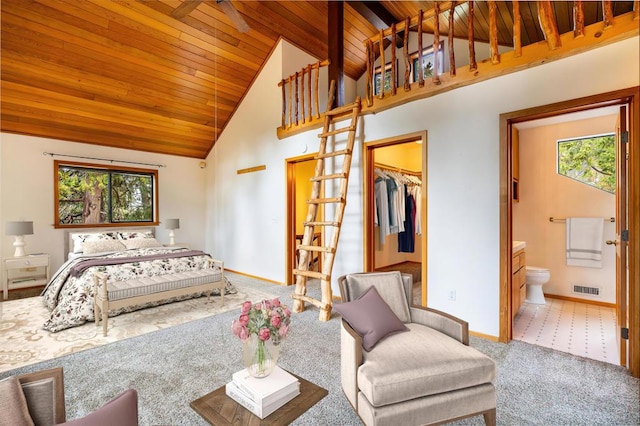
(260,358)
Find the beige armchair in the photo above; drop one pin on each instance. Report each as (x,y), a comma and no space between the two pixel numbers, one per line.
(419,368)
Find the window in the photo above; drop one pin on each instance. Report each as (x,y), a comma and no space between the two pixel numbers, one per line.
(590,160)
(428,62)
(377,76)
(98,195)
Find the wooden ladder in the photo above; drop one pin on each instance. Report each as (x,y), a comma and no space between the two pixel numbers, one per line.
(328,251)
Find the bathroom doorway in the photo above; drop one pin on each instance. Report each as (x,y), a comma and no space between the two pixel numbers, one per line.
(395,176)
(512,199)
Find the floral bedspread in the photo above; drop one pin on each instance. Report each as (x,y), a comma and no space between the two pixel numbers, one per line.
(70,299)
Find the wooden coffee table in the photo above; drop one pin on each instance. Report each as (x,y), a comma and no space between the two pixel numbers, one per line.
(218,409)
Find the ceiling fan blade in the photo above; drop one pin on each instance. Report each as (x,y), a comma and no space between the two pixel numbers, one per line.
(234,15)
(185,8)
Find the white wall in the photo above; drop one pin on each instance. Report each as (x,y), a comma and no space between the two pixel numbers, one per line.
(26,191)
(246,213)
(544,193)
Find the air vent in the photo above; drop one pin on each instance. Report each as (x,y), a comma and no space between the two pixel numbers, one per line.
(591,291)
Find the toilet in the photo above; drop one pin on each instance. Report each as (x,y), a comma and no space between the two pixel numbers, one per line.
(536,278)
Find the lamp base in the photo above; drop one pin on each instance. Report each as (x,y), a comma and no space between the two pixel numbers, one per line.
(19,245)
(171,238)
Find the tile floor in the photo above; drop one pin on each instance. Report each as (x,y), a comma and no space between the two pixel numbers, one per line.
(578,328)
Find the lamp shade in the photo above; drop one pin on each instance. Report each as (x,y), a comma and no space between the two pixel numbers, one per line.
(172,224)
(19,228)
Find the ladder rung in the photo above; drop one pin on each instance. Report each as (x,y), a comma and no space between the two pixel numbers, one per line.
(332,154)
(325,177)
(309,299)
(325,200)
(337,131)
(317,248)
(325,223)
(343,109)
(312,274)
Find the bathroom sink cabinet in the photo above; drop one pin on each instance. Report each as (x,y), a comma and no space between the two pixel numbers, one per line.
(518,281)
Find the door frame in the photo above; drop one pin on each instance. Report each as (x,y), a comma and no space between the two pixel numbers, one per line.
(629,97)
(369,194)
(290,238)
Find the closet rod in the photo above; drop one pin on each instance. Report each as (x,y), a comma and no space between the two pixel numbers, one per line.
(555,219)
(53,154)
(396,169)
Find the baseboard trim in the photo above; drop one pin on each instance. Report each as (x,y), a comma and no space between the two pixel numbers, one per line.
(255,277)
(484,336)
(578,300)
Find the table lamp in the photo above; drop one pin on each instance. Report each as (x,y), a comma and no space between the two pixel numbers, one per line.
(19,230)
(172,225)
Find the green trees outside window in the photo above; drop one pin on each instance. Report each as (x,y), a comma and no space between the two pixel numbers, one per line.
(99,195)
(589,160)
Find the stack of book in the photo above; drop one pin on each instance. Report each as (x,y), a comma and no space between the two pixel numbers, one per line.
(265,395)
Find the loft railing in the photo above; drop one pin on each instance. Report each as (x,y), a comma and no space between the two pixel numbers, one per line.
(416,23)
(555,46)
(294,96)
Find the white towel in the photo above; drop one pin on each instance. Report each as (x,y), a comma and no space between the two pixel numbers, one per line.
(584,241)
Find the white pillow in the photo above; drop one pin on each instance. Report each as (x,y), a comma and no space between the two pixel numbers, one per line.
(131,235)
(99,246)
(80,239)
(137,243)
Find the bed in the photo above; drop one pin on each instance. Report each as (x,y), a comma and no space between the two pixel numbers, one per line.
(121,255)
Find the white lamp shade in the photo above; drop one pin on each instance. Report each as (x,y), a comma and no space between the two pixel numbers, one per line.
(19,228)
(172,224)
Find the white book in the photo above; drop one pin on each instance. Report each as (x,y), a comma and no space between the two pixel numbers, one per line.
(266,389)
(235,393)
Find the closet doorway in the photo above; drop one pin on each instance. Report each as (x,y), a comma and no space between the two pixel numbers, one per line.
(395,211)
(300,170)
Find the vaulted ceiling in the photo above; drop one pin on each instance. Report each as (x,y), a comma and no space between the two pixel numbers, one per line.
(166,75)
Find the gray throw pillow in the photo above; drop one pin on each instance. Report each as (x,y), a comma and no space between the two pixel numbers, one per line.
(13,405)
(370,317)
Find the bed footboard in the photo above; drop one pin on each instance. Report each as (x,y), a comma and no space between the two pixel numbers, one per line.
(120,294)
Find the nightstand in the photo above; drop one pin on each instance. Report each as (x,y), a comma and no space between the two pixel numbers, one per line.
(26,271)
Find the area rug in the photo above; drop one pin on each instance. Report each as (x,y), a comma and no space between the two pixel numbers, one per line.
(24,342)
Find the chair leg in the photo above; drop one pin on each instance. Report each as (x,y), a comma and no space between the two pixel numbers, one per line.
(490,417)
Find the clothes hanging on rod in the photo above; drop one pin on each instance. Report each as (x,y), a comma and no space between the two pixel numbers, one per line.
(397,209)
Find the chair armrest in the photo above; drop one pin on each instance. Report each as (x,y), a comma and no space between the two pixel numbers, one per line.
(350,360)
(44,392)
(448,324)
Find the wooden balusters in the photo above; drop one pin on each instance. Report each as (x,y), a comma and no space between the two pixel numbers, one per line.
(493,32)
(382,64)
(578,19)
(452,56)
(293,105)
(370,65)
(473,65)
(548,24)
(394,78)
(517,36)
(405,50)
(297,98)
(420,70)
(607,14)
(436,41)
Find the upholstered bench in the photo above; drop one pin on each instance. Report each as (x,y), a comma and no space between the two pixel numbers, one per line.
(111,295)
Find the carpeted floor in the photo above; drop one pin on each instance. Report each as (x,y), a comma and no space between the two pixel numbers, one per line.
(173,366)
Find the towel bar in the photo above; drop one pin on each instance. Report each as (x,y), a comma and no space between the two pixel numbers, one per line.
(555,219)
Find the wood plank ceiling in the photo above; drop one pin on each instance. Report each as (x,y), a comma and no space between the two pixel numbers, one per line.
(128,74)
